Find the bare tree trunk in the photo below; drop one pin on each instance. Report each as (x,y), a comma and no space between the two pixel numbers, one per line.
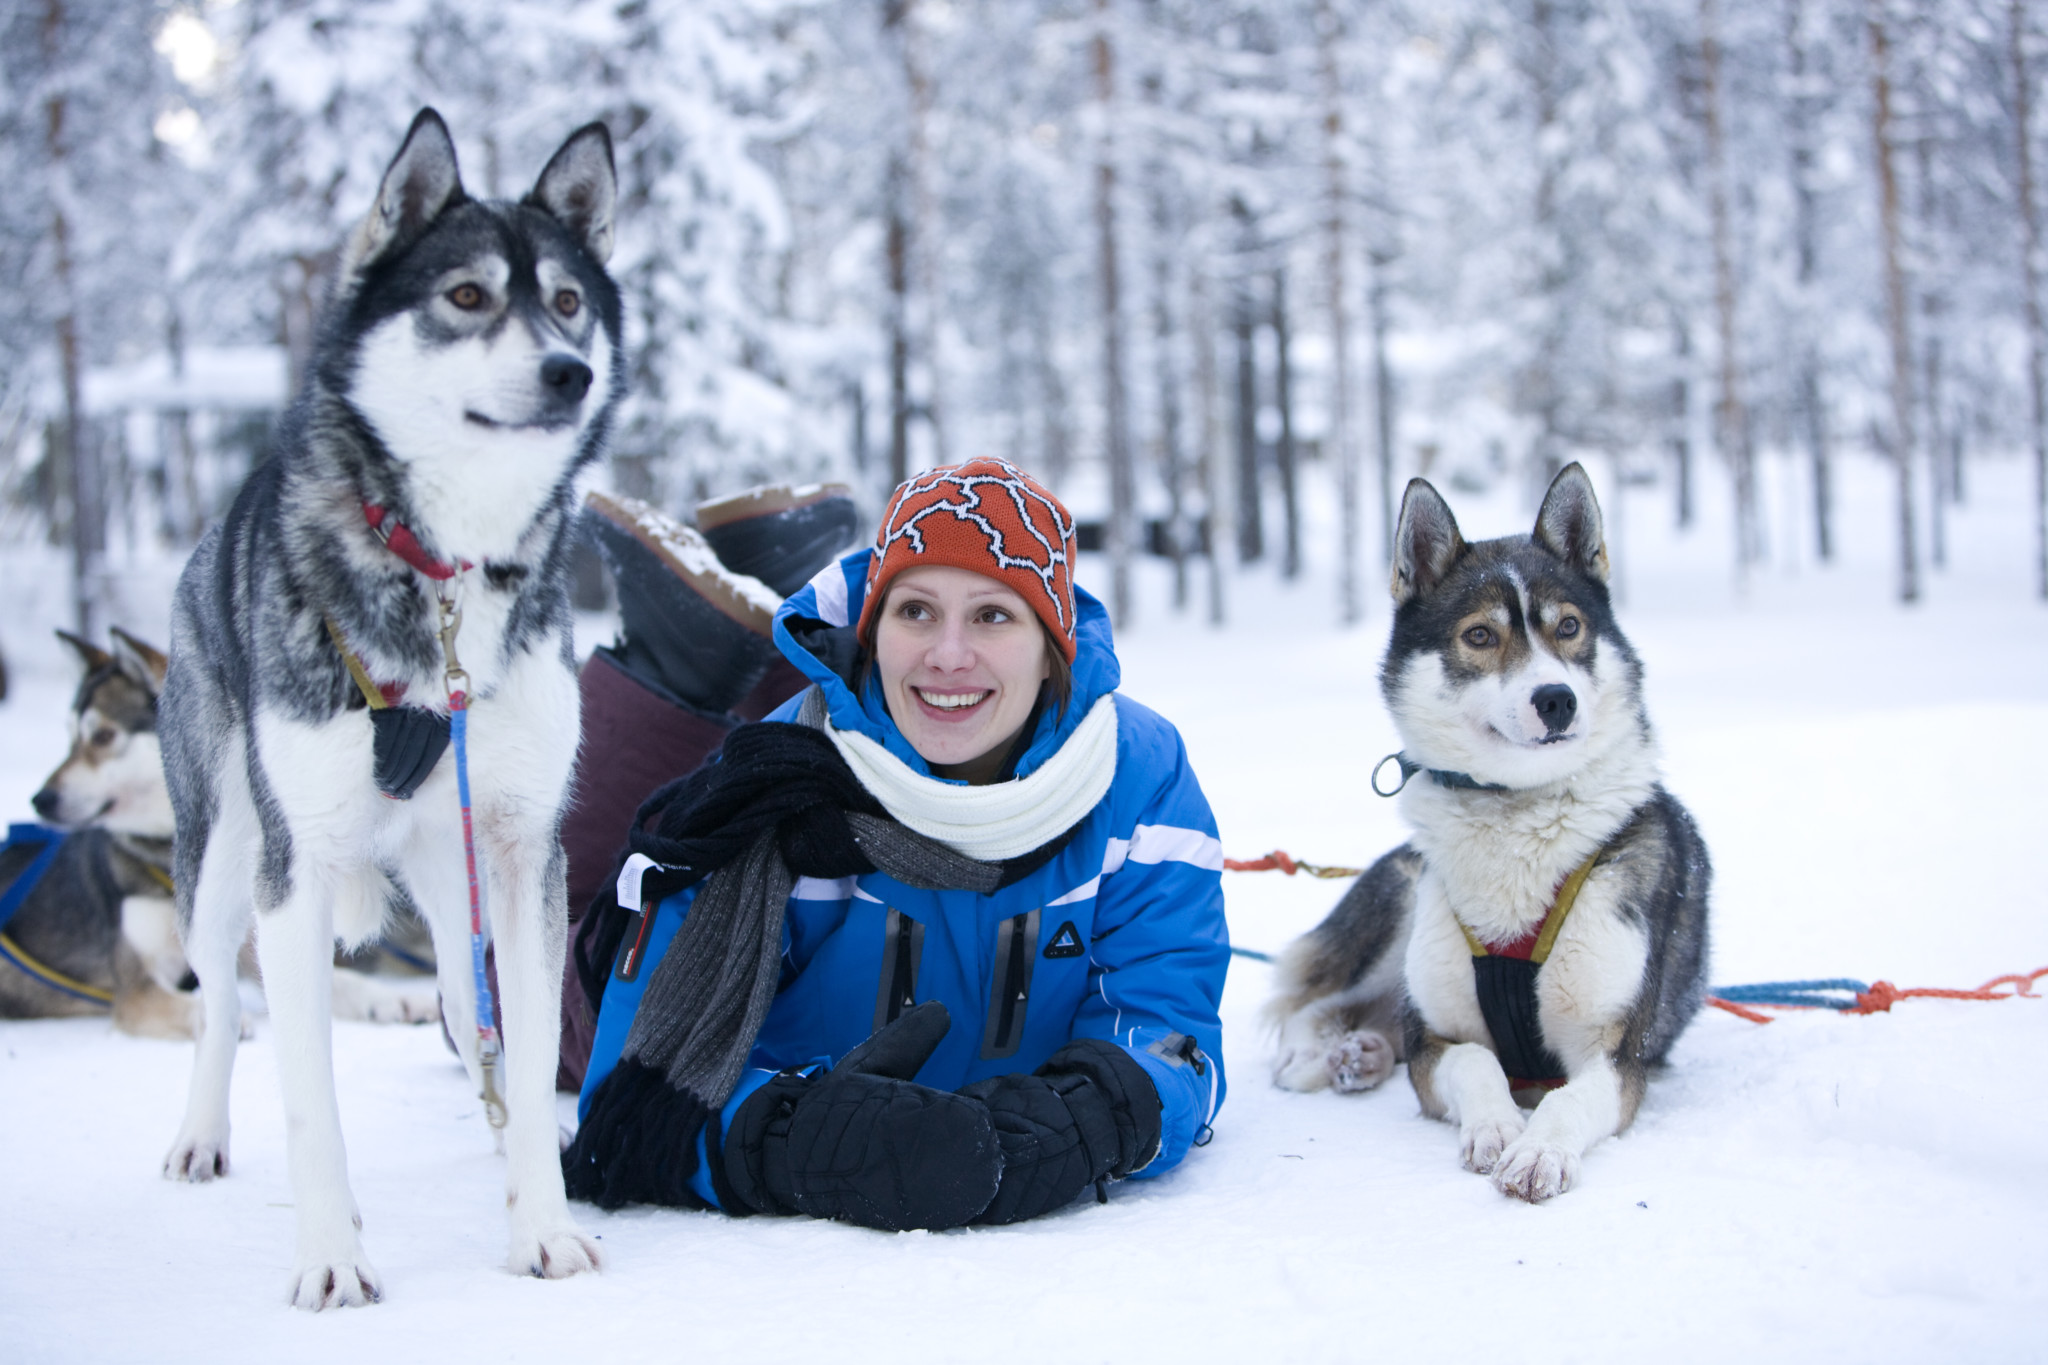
(1680,437)
(1382,401)
(1544,385)
(896,249)
(1902,440)
(1350,601)
(1251,536)
(1122,489)
(1283,399)
(82,457)
(1215,479)
(2030,275)
(1805,234)
(1931,307)
(1058,447)
(857,406)
(1165,357)
(922,248)
(1731,420)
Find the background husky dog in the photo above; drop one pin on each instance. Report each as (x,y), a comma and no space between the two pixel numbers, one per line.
(468,368)
(103,914)
(1519,706)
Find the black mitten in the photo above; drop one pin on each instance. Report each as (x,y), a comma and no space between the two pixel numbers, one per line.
(405,744)
(1089,1114)
(863,1143)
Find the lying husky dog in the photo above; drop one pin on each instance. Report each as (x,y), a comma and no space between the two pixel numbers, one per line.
(1549,919)
(468,368)
(98,929)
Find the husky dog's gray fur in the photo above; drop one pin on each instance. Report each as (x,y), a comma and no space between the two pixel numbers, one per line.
(103,914)
(468,368)
(1519,706)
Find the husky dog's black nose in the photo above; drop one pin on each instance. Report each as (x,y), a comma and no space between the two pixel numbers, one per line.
(565,377)
(45,802)
(1556,704)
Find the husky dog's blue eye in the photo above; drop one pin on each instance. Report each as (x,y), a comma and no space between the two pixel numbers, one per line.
(1480,637)
(566,303)
(467,297)
(1568,627)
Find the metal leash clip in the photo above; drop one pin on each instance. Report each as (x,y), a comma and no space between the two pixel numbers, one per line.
(490,1060)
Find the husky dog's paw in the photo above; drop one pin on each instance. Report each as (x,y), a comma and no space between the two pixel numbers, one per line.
(345,1282)
(555,1254)
(1535,1171)
(1482,1142)
(197,1157)
(377,1000)
(1360,1060)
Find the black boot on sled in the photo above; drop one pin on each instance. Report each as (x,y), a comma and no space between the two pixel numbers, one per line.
(780,533)
(690,628)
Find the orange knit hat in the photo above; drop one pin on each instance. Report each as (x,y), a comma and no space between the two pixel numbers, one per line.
(991,518)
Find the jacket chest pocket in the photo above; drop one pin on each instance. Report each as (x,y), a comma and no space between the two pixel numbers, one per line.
(1010,985)
(902,953)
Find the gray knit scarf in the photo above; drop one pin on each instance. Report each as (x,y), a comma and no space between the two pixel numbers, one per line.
(705,1002)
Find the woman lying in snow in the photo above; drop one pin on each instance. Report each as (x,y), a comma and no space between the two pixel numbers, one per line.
(941,943)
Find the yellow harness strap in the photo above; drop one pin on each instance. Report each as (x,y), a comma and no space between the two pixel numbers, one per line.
(1553,918)
(371,696)
(50,976)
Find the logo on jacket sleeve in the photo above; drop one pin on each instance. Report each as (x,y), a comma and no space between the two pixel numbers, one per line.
(1066,943)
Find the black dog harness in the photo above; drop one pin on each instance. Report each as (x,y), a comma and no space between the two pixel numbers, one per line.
(1505,977)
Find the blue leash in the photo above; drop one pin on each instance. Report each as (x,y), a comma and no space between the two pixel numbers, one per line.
(490,1053)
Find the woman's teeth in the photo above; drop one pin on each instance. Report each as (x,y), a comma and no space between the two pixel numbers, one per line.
(949,701)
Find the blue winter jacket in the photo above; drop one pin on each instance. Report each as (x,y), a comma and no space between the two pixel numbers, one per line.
(1124,926)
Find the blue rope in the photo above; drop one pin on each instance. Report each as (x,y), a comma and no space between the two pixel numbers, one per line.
(1812,994)
(18,891)
(1252,953)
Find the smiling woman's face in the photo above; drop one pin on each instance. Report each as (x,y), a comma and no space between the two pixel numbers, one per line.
(960,658)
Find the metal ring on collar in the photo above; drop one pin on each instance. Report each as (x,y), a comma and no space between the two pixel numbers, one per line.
(1406,773)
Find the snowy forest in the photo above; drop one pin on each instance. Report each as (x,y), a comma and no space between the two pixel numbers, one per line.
(1171,254)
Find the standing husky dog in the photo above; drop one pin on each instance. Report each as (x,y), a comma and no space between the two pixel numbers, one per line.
(1549,918)
(468,368)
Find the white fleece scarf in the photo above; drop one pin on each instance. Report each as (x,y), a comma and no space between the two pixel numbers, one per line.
(1003,819)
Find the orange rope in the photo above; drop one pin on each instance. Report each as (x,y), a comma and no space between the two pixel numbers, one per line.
(1883,994)
(1279,861)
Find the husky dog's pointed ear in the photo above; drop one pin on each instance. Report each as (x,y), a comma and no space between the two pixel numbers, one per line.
(422,182)
(89,654)
(1426,543)
(1568,524)
(144,662)
(580,189)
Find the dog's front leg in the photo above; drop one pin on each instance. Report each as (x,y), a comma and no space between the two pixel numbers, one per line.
(531,931)
(1544,1160)
(1473,1091)
(295,944)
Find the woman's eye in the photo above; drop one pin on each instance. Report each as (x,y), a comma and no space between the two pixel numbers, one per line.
(1567,628)
(994,616)
(467,297)
(1480,637)
(567,302)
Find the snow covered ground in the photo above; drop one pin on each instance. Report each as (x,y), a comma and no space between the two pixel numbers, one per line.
(1821,1188)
